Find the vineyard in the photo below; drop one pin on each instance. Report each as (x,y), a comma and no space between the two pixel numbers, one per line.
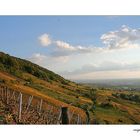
(31,94)
(23,108)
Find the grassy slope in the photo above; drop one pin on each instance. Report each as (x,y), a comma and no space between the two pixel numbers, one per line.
(32,79)
(118,111)
(12,82)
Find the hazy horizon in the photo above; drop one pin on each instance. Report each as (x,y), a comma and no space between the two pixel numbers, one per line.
(104,80)
(129,83)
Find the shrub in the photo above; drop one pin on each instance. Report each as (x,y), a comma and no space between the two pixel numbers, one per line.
(64,82)
(105,104)
(28,69)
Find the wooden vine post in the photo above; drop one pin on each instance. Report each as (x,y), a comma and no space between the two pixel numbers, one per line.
(65,117)
(59,117)
(40,106)
(29,102)
(78,119)
(20,107)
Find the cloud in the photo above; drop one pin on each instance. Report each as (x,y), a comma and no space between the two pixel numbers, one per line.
(118,53)
(65,49)
(122,74)
(45,40)
(104,67)
(64,46)
(125,37)
(38,58)
(47,60)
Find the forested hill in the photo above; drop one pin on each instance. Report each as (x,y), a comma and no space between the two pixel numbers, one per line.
(17,66)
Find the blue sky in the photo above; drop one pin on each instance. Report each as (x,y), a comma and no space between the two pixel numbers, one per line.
(21,32)
(76,42)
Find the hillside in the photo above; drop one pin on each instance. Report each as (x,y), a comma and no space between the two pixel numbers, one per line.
(93,105)
(24,76)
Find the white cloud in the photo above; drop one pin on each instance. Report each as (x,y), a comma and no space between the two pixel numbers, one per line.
(61,48)
(38,58)
(125,37)
(48,61)
(119,53)
(65,49)
(122,74)
(104,66)
(64,45)
(45,40)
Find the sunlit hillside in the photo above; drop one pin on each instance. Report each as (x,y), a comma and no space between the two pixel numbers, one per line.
(89,104)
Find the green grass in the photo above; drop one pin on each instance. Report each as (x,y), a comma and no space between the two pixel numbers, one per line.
(57,95)
(111,115)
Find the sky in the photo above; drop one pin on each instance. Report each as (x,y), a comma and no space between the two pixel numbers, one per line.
(76,47)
